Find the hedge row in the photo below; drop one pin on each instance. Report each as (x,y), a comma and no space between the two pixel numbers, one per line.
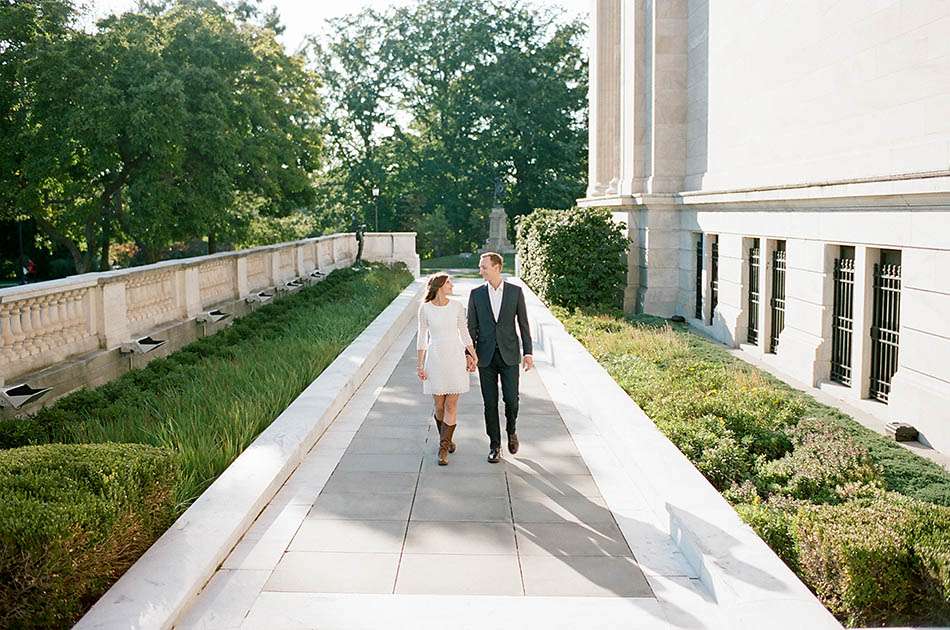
(73,518)
(862,521)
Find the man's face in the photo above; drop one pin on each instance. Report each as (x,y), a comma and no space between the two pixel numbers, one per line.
(487,270)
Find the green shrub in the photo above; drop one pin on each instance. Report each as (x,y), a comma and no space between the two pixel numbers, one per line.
(573,257)
(824,460)
(775,526)
(877,561)
(72,519)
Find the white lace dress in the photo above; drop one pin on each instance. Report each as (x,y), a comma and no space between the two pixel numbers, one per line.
(443,334)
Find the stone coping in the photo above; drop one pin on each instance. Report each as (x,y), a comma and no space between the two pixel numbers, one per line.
(750,584)
(91,279)
(155,590)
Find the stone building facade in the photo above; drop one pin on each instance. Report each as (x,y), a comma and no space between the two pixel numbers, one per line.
(784,172)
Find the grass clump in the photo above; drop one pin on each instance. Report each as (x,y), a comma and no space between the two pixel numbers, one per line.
(862,521)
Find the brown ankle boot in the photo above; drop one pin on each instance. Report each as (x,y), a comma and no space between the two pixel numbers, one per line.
(438,425)
(445,443)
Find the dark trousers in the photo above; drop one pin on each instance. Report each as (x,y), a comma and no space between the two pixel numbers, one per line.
(489,376)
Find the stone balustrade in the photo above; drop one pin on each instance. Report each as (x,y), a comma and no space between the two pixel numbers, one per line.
(45,323)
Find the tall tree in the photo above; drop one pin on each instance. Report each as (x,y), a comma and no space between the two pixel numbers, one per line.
(154,125)
(451,95)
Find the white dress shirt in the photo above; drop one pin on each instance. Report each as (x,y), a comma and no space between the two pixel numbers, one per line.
(495,296)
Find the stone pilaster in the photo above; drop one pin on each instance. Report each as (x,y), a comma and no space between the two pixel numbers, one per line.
(604,123)
(667,104)
(658,249)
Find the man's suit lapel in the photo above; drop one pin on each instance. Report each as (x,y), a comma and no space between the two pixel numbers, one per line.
(486,303)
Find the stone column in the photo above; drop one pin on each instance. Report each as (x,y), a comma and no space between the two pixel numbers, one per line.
(658,236)
(632,97)
(666,78)
(733,272)
(807,325)
(604,123)
(920,389)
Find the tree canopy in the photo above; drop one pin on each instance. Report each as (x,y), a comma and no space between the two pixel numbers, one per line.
(186,120)
(182,119)
(432,102)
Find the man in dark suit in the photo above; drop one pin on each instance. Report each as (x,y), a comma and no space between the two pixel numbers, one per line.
(493,309)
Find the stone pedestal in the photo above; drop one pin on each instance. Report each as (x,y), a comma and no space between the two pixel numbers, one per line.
(498,233)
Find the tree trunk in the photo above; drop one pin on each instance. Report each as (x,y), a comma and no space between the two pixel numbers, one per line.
(212,243)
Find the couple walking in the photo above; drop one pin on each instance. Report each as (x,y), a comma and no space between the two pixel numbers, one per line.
(452,343)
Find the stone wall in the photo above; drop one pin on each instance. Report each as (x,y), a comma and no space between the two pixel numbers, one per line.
(811,124)
(82,330)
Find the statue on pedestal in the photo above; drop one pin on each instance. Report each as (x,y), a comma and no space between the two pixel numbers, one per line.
(498,226)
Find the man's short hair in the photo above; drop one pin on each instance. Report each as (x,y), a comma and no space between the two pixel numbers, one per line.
(495,259)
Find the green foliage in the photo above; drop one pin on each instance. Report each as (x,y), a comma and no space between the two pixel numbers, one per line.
(150,127)
(775,526)
(824,460)
(573,257)
(72,519)
(878,561)
(465,78)
(861,520)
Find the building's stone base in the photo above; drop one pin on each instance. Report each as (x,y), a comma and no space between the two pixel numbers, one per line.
(923,402)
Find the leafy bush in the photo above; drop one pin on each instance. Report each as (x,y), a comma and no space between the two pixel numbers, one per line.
(72,519)
(573,257)
(877,561)
(775,526)
(824,460)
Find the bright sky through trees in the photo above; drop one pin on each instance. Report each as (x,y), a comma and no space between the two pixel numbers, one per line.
(305,17)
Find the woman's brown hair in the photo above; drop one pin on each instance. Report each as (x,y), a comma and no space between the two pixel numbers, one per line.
(435,283)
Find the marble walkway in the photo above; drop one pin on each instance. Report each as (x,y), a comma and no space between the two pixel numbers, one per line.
(369,532)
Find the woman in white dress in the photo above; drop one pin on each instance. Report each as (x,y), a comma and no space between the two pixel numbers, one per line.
(443,366)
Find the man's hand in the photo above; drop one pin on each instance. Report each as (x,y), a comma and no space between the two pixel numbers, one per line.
(528,362)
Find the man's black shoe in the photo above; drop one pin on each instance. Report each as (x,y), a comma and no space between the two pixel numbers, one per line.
(494,455)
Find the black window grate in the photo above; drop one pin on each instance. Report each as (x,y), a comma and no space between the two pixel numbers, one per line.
(842,327)
(885,329)
(698,313)
(778,295)
(714,279)
(753,333)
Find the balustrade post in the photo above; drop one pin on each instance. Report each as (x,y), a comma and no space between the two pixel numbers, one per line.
(190,277)
(113,325)
(274,257)
(240,277)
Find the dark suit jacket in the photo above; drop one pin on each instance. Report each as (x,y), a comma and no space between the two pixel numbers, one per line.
(488,334)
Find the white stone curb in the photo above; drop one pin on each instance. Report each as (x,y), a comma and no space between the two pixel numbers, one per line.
(155,590)
(751,585)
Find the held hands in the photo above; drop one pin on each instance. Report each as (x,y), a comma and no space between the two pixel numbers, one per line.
(528,362)
(470,363)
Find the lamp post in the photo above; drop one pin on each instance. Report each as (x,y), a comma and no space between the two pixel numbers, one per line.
(20,267)
(376,201)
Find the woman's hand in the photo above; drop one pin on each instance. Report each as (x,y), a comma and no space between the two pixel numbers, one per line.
(421,373)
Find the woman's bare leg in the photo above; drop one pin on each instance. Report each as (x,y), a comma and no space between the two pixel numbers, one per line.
(451,404)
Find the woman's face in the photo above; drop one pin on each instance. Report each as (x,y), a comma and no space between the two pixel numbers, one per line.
(447,287)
